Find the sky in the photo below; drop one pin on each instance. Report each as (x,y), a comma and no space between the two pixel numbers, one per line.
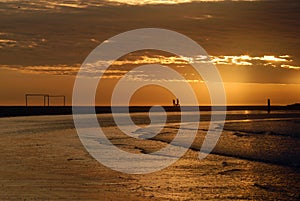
(254,45)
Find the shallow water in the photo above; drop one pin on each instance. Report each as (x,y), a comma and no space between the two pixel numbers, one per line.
(253,135)
(271,138)
(256,158)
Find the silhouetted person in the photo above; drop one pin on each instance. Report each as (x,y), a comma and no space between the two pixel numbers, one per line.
(177,102)
(174,102)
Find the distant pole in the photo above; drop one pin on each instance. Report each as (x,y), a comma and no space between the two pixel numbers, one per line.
(64,100)
(269,105)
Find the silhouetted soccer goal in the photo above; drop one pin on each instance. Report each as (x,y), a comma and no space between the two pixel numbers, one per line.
(46,98)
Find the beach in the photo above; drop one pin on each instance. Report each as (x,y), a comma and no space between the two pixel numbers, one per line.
(70,72)
(42,158)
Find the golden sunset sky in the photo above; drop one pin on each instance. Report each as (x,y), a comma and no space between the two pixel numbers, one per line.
(254,44)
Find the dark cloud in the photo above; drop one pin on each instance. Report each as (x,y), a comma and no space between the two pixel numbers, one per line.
(49,34)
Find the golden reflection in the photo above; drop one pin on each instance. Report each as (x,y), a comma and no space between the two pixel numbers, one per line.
(246,112)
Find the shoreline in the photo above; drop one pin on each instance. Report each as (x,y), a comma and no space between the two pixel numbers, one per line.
(43,159)
(14,111)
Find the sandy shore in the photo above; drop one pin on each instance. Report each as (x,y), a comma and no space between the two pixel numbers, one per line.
(54,165)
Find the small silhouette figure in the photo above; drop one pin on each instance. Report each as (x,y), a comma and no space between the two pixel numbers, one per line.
(177,102)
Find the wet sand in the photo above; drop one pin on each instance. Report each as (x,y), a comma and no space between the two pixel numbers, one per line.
(52,164)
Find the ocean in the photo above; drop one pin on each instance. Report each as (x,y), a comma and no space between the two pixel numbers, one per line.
(256,157)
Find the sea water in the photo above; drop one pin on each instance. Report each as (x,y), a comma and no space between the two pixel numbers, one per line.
(256,157)
(252,135)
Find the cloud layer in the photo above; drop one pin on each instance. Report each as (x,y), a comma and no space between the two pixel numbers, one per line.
(229,66)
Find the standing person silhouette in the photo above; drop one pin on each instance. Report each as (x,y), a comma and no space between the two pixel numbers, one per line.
(177,102)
